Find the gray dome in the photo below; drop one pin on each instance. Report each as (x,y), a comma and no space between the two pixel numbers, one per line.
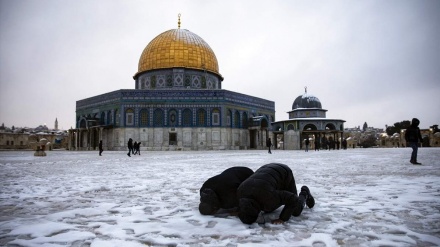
(306,101)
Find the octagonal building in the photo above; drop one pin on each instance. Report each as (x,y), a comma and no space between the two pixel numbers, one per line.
(307,120)
(177,104)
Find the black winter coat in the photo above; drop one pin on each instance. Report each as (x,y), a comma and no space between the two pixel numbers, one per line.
(413,134)
(226,183)
(268,143)
(271,186)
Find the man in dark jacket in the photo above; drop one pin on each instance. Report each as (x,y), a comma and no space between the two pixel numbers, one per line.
(269,144)
(220,191)
(270,187)
(100,148)
(130,146)
(412,137)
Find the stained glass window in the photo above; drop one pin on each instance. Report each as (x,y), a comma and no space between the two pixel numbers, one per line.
(187,118)
(201,117)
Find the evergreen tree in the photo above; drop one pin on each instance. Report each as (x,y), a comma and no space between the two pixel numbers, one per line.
(391,130)
(398,127)
(368,141)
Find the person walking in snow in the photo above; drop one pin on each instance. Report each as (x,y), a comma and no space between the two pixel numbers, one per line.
(307,144)
(130,147)
(220,191)
(412,137)
(137,148)
(100,148)
(270,187)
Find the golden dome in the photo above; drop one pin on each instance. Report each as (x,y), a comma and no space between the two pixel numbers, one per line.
(178,48)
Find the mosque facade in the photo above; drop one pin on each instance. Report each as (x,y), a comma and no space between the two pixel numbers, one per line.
(177,104)
(307,120)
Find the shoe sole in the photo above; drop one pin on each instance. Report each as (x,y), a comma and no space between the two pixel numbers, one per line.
(310,199)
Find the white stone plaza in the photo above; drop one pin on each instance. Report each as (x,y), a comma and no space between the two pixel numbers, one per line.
(364,197)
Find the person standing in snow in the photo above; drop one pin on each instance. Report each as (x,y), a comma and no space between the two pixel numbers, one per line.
(270,187)
(269,144)
(100,148)
(317,145)
(130,147)
(220,191)
(412,137)
(307,144)
(344,144)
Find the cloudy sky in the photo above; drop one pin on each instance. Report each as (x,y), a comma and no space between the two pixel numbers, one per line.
(367,61)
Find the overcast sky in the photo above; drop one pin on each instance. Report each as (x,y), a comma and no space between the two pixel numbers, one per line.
(367,61)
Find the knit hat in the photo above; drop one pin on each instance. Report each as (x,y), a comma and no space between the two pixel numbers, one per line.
(249,210)
(209,202)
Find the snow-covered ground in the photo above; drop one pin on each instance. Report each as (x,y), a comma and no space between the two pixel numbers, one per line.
(364,197)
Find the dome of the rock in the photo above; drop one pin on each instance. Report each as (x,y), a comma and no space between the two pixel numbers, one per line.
(178,48)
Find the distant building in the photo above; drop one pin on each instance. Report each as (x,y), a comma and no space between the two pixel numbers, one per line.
(18,138)
(431,137)
(41,128)
(307,120)
(56,124)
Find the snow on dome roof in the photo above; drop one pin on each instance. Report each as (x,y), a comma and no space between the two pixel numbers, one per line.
(306,101)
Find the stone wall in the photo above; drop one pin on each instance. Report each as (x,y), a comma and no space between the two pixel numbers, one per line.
(164,139)
(21,140)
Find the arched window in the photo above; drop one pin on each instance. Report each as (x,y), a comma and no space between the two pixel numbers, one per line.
(244,122)
(158,120)
(102,119)
(82,123)
(117,117)
(330,126)
(310,127)
(187,118)
(172,118)
(215,115)
(109,117)
(201,118)
(129,117)
(264,123)
(237,119)
(143,118)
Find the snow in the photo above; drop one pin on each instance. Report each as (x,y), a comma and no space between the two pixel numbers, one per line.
(310,97)
(364,197)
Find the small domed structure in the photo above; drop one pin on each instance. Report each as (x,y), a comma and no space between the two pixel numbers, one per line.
(307,120)
(306,106)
